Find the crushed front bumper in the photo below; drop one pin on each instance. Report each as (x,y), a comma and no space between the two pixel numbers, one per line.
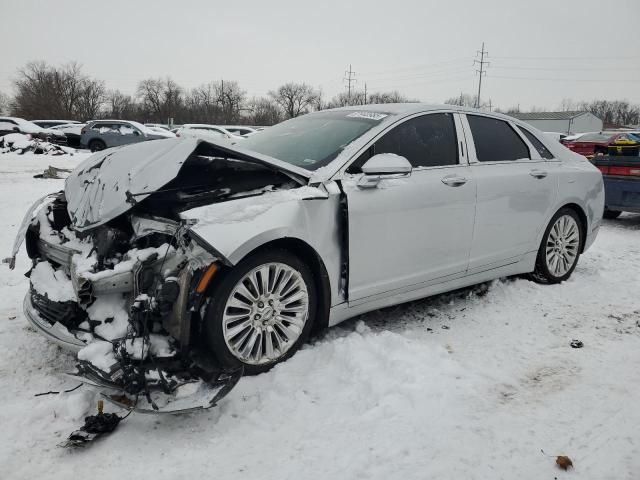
(57,332)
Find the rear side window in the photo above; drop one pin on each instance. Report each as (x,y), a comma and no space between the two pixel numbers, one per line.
(426,141)
(537,144)
(495,140)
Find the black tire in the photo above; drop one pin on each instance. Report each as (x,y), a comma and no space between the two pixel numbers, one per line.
(224,285)
(611,214)
(542,272)
(97,145)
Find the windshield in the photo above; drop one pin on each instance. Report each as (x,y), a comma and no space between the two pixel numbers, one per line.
(312,141)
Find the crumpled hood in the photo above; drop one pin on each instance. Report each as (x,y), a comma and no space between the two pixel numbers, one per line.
(111,182)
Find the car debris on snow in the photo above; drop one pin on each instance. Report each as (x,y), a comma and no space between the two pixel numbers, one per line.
(21,144)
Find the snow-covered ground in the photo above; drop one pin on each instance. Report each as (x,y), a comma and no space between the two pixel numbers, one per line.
(460,386)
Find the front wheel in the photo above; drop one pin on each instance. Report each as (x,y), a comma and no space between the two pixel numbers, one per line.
(262,311)
(560,248)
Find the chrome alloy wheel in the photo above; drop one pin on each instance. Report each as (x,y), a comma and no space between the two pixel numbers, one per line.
(265,313)
(562,245)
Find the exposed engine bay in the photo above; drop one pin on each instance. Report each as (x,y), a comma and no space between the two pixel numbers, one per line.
(129,294)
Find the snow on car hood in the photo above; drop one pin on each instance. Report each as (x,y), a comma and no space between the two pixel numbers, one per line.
(111,182)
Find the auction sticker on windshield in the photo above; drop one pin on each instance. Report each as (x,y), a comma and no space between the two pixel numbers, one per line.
(369,115)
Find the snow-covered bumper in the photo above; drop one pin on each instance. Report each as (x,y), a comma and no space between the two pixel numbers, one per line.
(125,304)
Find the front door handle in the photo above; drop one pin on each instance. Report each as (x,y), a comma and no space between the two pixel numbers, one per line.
(454,180)
(538,173)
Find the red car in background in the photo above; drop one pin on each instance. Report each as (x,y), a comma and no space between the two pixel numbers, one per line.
(599,142)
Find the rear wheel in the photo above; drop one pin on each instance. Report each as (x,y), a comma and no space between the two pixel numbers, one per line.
(97,145)
(262,311)
(611,214)
(560,248)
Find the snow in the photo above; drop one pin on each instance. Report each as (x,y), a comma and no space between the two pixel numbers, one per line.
(393,394)
(112,311)
(100,354)
(53,283)
(21,143)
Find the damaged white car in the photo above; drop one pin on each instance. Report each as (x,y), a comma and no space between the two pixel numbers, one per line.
(174,266)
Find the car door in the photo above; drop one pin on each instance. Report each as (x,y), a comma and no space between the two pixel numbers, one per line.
(415,230)
(107,132)
(515,190)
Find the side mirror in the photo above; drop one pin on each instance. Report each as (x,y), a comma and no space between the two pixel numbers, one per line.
(16,129)
(136,133)
(386,164)
(381,166)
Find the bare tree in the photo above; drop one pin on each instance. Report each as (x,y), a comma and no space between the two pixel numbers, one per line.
(4,103)
(201,104)
(294,98)
(463,100)
(388,97)
(121,106)
(56,92)
(160,99)
(264,111)
(343,99)
(230,99)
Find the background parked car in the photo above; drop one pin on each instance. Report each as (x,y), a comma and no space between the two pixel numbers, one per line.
(73,131)
(621,175)
(596,143)
(53,123)
(100,134)
(163,131)
(20,125)
(206,132)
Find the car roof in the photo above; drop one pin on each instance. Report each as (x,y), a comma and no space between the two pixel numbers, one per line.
(405,109)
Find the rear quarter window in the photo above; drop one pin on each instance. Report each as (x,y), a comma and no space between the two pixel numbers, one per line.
(537,144)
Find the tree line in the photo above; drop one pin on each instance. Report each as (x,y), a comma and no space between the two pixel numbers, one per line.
(66,92)
(613,113)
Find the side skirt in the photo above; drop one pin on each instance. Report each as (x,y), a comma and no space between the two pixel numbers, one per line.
(343,311)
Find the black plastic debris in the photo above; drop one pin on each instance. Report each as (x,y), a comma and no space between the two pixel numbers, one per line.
(576,344)
(94,426)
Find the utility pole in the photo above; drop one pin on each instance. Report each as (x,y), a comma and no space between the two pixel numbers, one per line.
(483,53)
(365,93)
(349,78)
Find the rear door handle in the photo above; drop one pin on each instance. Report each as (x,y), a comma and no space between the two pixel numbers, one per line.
(538,173)
(454,180)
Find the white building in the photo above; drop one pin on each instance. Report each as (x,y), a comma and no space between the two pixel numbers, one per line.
(561,122)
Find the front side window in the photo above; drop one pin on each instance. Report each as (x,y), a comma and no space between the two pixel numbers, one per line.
(426,141)
(537,144)
(495,140)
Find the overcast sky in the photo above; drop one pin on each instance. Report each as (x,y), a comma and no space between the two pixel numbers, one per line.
(540,51)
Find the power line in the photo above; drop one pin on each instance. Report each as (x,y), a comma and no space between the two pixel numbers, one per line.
(481,72)
(570,58)
(459,60)
(598,80)
(580,68)
(350,77)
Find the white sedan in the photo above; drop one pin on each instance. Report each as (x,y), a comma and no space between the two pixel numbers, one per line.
(230,254)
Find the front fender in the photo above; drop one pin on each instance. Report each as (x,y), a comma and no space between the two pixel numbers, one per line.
(237,227)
